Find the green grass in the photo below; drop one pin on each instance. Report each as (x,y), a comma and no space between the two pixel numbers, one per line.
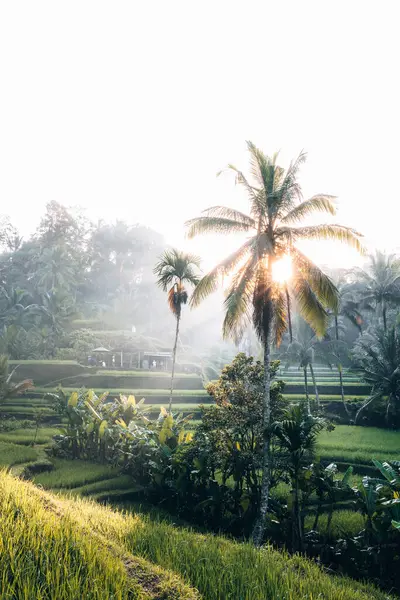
(345,523)
(27,436)
(145,373)
(359,444)
(12,454)
(74,473)
(24,410)
(126,391)
(48,552)
(324,398)
(78,545)
(119,483)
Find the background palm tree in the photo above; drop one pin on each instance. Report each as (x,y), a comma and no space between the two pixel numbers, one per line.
(303,351)
(378,355)
(276,205)
(173,270)
(381,283)
(348,310)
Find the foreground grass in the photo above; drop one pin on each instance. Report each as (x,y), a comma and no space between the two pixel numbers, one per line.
(222,569)
(48,553)
(71,549)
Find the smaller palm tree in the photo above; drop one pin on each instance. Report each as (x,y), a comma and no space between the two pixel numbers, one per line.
(377,356)
(381,284)
(173,270)
(347,310)
(302,351)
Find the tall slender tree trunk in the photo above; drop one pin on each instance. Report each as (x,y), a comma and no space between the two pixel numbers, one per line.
(289,314)
(259,527)
(340,371)
(178,318)
(306,390)
(384,309)
(315,385)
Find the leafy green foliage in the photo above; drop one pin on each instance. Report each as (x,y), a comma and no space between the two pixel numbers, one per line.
(378,358)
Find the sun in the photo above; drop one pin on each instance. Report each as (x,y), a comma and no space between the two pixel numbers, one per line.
(282,269)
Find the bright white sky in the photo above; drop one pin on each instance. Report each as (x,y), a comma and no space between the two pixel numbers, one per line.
(130,108)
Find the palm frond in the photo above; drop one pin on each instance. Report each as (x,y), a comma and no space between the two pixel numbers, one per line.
(240,179)
(229,213)
(202,225)
(280,310)
(310,308)
(321,203)
(238,301)
(338,233)
(322,286)
(176,266)
(209,283)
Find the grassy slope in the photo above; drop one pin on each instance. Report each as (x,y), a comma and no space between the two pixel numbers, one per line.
(49,551)
(12,454)
(69,549)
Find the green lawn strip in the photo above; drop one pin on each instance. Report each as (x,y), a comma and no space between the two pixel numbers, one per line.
(43,362)
(324,398)
(127,391)
(148,374)
(355,437)
(25,410)
(13,454)
(345,523)
(27,436)
(70,474)
(120,482)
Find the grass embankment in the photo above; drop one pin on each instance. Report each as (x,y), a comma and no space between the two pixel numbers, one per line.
(359,445)
(49,550)
(67,549)
(13,454)
(26,437)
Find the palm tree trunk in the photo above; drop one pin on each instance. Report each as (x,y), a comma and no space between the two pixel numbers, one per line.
(388,405)
(306,391)
(315,385)
(336,328)
(178,318)
(384,309)
(339,368)
(259,527)
(289,314)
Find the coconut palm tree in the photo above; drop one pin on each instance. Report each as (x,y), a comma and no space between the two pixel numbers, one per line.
(348,309)
(276,205)
(303,351)
(377,355)
(174,270)
(382,283)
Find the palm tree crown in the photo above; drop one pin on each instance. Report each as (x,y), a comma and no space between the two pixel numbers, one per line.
(382,283)
(175,268)
(276,207)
